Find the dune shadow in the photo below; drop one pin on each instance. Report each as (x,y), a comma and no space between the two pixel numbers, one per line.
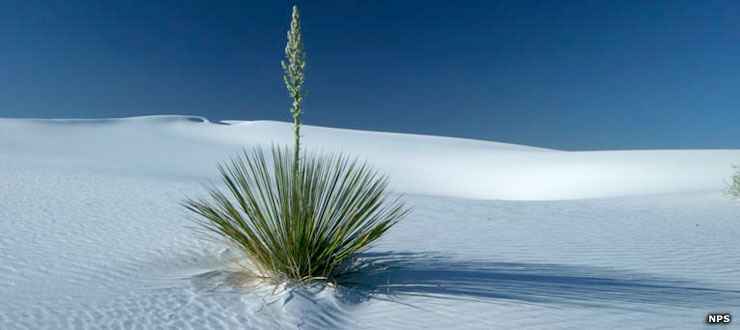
(391,275)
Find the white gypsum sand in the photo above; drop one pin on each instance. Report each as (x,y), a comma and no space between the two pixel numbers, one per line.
(502,236)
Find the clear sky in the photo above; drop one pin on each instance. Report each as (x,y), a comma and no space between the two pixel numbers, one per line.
(562,74)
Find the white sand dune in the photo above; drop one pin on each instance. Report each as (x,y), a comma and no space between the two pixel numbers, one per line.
(179,146)
(502,236)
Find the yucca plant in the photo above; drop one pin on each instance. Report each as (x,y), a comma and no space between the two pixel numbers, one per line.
(734,189)
(299,217)
(300,227)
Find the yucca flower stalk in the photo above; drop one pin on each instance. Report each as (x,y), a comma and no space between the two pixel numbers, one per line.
(293,75)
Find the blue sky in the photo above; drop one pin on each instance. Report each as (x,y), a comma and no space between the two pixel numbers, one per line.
(562,74)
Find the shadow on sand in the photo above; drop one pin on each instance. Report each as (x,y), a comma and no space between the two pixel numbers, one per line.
(392,275)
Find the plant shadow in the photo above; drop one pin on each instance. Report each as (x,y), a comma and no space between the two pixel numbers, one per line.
(391,275)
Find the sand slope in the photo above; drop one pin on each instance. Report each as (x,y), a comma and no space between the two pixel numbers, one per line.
(92,237)
(179,146)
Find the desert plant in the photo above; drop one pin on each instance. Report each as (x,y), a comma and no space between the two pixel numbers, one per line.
(300,227)
(734,188)
(293,218)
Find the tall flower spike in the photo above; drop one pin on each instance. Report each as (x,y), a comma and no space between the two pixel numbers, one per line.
(293,67)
